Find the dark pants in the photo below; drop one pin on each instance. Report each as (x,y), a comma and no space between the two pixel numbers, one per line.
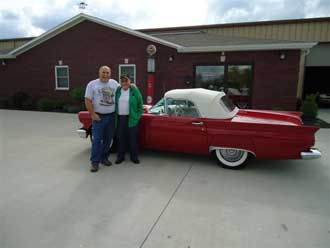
(127,138)
(103,132)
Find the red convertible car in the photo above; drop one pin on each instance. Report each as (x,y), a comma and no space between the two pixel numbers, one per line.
(200,121)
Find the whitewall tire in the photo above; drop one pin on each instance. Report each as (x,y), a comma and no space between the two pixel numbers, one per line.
(231,158)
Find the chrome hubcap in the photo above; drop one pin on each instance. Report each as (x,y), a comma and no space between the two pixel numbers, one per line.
(231,155)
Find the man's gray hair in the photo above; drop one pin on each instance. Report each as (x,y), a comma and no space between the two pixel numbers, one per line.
(105,67)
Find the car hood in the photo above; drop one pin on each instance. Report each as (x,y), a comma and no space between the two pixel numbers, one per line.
(290,118)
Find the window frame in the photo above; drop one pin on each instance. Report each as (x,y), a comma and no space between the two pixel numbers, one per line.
(56,77)
(126,65)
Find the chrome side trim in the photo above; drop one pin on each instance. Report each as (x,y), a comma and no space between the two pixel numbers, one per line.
(313,153)
(82,133)
(212,148)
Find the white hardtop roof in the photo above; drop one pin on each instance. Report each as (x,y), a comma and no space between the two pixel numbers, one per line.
(207,101)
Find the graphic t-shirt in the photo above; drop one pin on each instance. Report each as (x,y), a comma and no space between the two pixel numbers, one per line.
(102,95)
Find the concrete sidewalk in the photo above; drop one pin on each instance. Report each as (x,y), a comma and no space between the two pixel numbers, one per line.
(50,199)
(324,114)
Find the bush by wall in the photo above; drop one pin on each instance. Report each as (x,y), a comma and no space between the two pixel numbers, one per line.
(309,107)
(45,104)
(20,99)
(78,94)
(4,102)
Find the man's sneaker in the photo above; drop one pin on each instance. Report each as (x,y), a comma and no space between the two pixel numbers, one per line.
(106,162)
(94,167)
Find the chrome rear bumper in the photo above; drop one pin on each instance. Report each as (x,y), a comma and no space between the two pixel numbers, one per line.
(82,133)
(311,154)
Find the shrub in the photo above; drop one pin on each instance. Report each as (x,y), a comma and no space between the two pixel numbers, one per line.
(18,98)
(59,105)
(72,109)
(4,102)
(278,108)
(78,94)
(46,104)
(309,107)
(28,104)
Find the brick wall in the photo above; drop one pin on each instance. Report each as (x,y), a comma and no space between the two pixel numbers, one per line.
(88,45)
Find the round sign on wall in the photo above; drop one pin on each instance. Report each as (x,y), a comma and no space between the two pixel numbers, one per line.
(149,99)
(151,49)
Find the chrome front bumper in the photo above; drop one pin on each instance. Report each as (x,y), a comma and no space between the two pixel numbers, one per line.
(82,133)
(311,154)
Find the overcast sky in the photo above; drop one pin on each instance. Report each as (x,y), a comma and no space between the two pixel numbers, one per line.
(20,18)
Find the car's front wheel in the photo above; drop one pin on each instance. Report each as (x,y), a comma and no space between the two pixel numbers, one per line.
(231,158)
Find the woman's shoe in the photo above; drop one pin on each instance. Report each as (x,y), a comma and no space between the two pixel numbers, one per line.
(119,161)
(135,161)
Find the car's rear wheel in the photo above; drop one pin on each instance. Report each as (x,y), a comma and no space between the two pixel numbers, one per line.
(231,158)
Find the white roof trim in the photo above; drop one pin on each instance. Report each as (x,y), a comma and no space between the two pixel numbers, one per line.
(78,19)
(7,56)
(252,47)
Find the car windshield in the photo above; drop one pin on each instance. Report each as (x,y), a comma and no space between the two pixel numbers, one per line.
(158,108)
(227,104)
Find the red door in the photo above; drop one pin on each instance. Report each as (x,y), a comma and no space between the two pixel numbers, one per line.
(178,134)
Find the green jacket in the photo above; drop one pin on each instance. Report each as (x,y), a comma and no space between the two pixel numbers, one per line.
(135,105)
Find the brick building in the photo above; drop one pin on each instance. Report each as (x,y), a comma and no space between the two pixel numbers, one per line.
(263,73)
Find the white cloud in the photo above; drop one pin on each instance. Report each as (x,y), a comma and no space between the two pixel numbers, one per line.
(30,18)
(150,13)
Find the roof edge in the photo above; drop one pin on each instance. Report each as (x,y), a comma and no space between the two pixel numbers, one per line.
(254,47)
(7,56)
(80,18)
(48,35)
(235,24)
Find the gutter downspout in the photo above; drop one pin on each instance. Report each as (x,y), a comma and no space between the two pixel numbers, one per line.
(300,86)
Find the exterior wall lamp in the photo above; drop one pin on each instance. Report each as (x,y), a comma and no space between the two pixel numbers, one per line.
(222,57)
(3,63)
(282,56)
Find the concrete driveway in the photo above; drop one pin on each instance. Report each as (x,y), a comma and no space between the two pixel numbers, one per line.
(50,199)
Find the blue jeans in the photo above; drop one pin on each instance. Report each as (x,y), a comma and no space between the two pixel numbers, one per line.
(103,132)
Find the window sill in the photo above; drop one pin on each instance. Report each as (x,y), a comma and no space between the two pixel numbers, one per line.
(62,89)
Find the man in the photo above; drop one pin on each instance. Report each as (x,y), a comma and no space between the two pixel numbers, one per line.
(100,102)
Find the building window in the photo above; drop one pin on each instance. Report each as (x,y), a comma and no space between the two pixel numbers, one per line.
(234,80)
(62,77)
(239,80)
(210,77)
(128,70)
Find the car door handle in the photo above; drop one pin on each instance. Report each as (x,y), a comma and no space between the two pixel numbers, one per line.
(197,123)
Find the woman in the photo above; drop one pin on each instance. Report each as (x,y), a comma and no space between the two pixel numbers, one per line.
(129,108)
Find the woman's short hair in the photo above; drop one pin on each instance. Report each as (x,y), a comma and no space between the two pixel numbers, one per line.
(124,77)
